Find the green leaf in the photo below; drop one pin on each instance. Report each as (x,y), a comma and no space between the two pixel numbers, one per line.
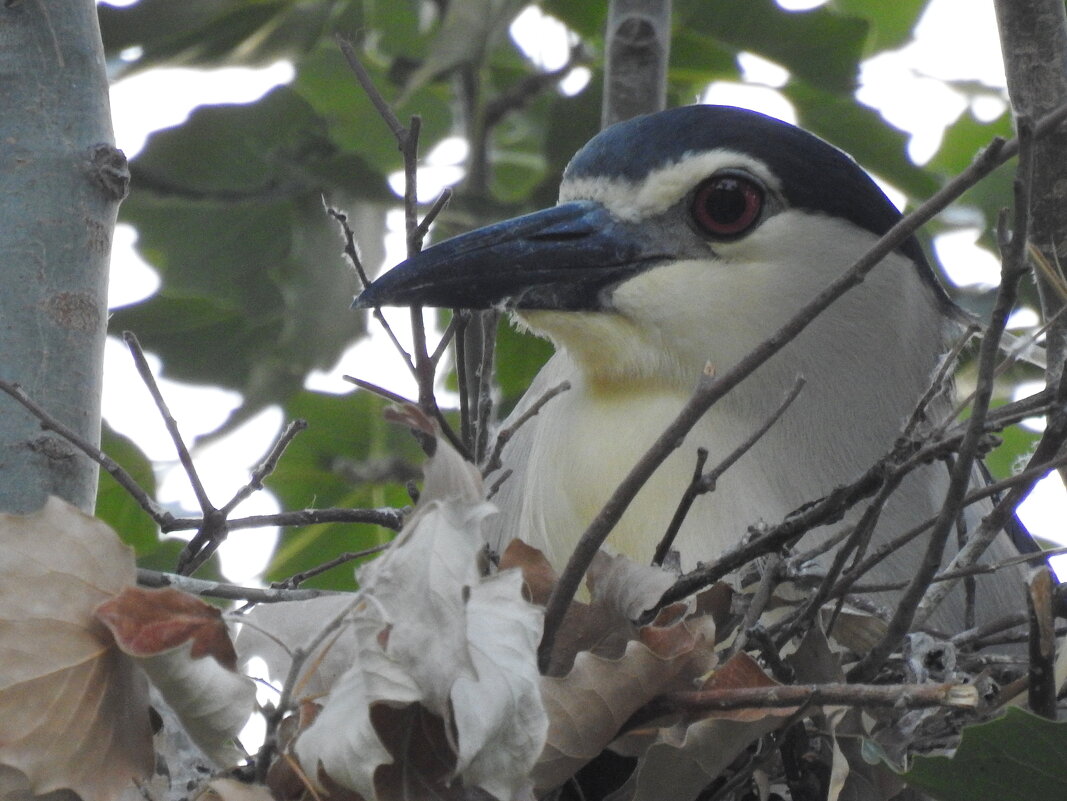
(210,33)
(820,46)
(891,24)
(114,505)
(1019,755)
(228,207)
(325,81)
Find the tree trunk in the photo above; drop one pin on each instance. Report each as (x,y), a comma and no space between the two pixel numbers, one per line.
(637,49)
(61,181)
(1033,38)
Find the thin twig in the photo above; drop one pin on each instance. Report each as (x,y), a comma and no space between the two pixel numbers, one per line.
(384,517)
(771,578)
(504,436)
(899,696)
(706,482)
(375,97)
(418,233)
(297,579)
(267,466)
(186,459)
(681,511)
(299,657)
(378,390)
(218,589)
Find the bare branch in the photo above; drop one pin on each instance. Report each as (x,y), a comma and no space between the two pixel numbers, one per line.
(267,466)
(900,696)
(297,579)
(218,589)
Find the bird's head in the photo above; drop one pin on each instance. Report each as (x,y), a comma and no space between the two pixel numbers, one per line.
(680,237)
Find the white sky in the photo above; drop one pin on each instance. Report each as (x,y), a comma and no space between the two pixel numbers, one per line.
(956,39)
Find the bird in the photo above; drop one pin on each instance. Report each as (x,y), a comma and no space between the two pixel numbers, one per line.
(681,240)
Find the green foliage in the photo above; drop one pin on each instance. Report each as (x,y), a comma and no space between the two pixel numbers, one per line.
(1019,755)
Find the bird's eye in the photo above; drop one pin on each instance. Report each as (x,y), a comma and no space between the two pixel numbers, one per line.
(727,206)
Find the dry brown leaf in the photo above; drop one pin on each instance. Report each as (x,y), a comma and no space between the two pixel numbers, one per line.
(626,587)
(537,572)
(183,645)
(588,707)
(686,758)
(147,622)
(73,708)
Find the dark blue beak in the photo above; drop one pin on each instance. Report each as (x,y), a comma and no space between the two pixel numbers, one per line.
(564,257)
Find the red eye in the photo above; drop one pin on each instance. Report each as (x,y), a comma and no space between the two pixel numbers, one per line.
(727,205)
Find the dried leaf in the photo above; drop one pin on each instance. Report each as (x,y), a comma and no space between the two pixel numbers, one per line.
(625,586)
(500,721)
(73,708)
(588,707)
(342,741)
(183,646)
(686,758)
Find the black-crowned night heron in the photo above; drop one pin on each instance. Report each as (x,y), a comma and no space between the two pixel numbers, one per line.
(683,238)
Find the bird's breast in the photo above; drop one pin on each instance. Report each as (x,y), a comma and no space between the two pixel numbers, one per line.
(596,439)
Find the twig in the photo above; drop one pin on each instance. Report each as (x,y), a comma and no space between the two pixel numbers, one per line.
(184,456)
(706,482)
(378,390)
(771,578)
(445,341)
(385,517)
(438,415)
(267,466)
(160,515)
(218,589)
(899,696)
(297,579)
(504,436)
(495,488)
(971,636)
(418,233)
(682,510)
(375,97)
(710,391)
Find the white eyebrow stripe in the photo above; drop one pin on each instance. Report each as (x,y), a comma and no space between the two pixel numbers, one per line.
(663,187)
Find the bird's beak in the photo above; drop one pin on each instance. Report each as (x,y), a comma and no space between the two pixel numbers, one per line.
(564,257)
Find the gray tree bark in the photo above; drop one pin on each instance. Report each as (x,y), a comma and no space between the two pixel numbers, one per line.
(61,181)
(638,46)
(1033,37)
